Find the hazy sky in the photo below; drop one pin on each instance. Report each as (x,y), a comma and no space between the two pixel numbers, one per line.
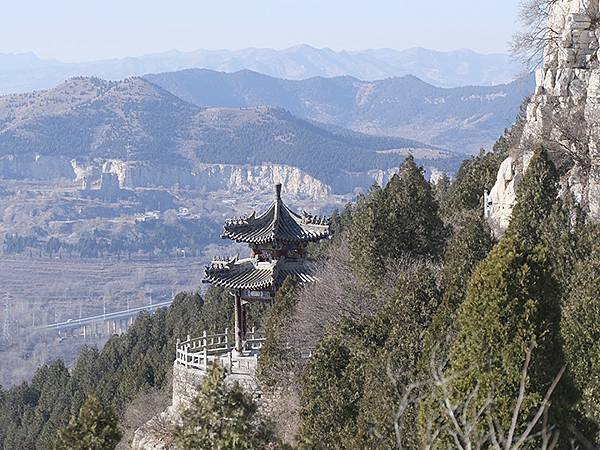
(75,30)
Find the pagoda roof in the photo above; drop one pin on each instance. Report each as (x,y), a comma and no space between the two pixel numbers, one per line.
(253,274)
(277,224)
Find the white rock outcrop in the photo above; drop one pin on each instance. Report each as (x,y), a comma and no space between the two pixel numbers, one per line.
(204,177)
(564,112)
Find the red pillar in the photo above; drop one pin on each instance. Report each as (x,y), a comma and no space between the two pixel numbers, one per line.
(238,322)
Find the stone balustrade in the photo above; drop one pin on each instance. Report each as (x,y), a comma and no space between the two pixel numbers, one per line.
(205,351)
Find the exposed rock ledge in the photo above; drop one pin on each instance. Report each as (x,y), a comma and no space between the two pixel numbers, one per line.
(567,95)
(136,174)
(207,177)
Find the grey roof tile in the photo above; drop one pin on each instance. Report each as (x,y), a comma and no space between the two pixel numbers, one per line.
(277,224)
(252,274)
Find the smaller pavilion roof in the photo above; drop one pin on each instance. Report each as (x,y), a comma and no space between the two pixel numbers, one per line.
(252,274)
(277,224)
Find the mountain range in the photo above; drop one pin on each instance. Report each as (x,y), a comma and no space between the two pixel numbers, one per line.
(26,72)
(463,119)
(134,120)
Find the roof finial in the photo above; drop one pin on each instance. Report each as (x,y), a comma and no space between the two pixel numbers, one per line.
(278,191)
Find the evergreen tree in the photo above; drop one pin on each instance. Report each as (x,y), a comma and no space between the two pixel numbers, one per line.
(580,329)
(95,428)
(127,366)
(352,384)
(469,244)
(394,338)
(476,175)
(396,222)
(339,226)
(413,226)
(276,359)
(511,305)
(367,235)
(536,196)
(560,233)
(330,393)
(53,404)
(222,418)
(441,188)
(217,310)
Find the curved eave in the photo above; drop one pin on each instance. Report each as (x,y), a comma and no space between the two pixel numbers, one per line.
(258,279)
(259,240)
(301,277)
(245,275)
(286,227)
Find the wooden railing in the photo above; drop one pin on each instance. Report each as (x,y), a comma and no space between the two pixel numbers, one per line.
(202,352)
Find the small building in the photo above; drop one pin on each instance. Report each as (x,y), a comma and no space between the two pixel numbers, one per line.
(277,239)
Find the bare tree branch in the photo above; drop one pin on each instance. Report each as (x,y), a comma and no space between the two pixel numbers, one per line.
(472,428)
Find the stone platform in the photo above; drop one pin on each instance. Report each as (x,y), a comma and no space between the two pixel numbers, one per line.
(194,359)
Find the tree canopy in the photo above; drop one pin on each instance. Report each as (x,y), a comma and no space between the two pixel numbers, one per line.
(95,428)
(222,418)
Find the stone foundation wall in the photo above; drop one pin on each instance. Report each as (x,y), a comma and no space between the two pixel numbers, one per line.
(152,436)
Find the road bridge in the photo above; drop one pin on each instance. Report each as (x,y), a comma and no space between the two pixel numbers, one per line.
(115,322)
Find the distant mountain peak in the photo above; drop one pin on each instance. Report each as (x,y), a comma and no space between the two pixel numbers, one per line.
(462,119)
(444,69)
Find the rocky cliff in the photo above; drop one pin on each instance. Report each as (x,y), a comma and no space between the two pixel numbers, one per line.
(204,177)
(564,112)
(207,177)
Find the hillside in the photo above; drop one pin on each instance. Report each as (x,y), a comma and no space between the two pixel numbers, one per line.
(134,120)
(463,119)
(349,328)
(25,72)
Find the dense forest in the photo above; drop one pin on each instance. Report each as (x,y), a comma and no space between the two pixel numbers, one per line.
(427,332)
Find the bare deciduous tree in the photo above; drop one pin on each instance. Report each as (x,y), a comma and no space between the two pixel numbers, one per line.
(339,294)
(474,427)
(528,45)
(570,137)
(342,294)
(148,406)
(538,32)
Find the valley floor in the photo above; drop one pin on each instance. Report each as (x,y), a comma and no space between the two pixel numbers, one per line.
(39,291)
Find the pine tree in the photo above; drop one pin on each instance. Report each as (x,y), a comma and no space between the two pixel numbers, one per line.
(95,428)
(395,338)
(396,222)
(331,386)
(222,418)
(580,329)
(469,245)
(511,305)
(367,235)
(441,188)
(413,226)
(339,226)
(560,233)
(536,196)
(474,176)
(276,359)
(348,398)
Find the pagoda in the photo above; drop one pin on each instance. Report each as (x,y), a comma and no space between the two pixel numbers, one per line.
(278,240)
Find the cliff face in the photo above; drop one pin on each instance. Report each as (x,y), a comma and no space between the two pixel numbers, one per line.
(206,177)
(214,177)
(563,114)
